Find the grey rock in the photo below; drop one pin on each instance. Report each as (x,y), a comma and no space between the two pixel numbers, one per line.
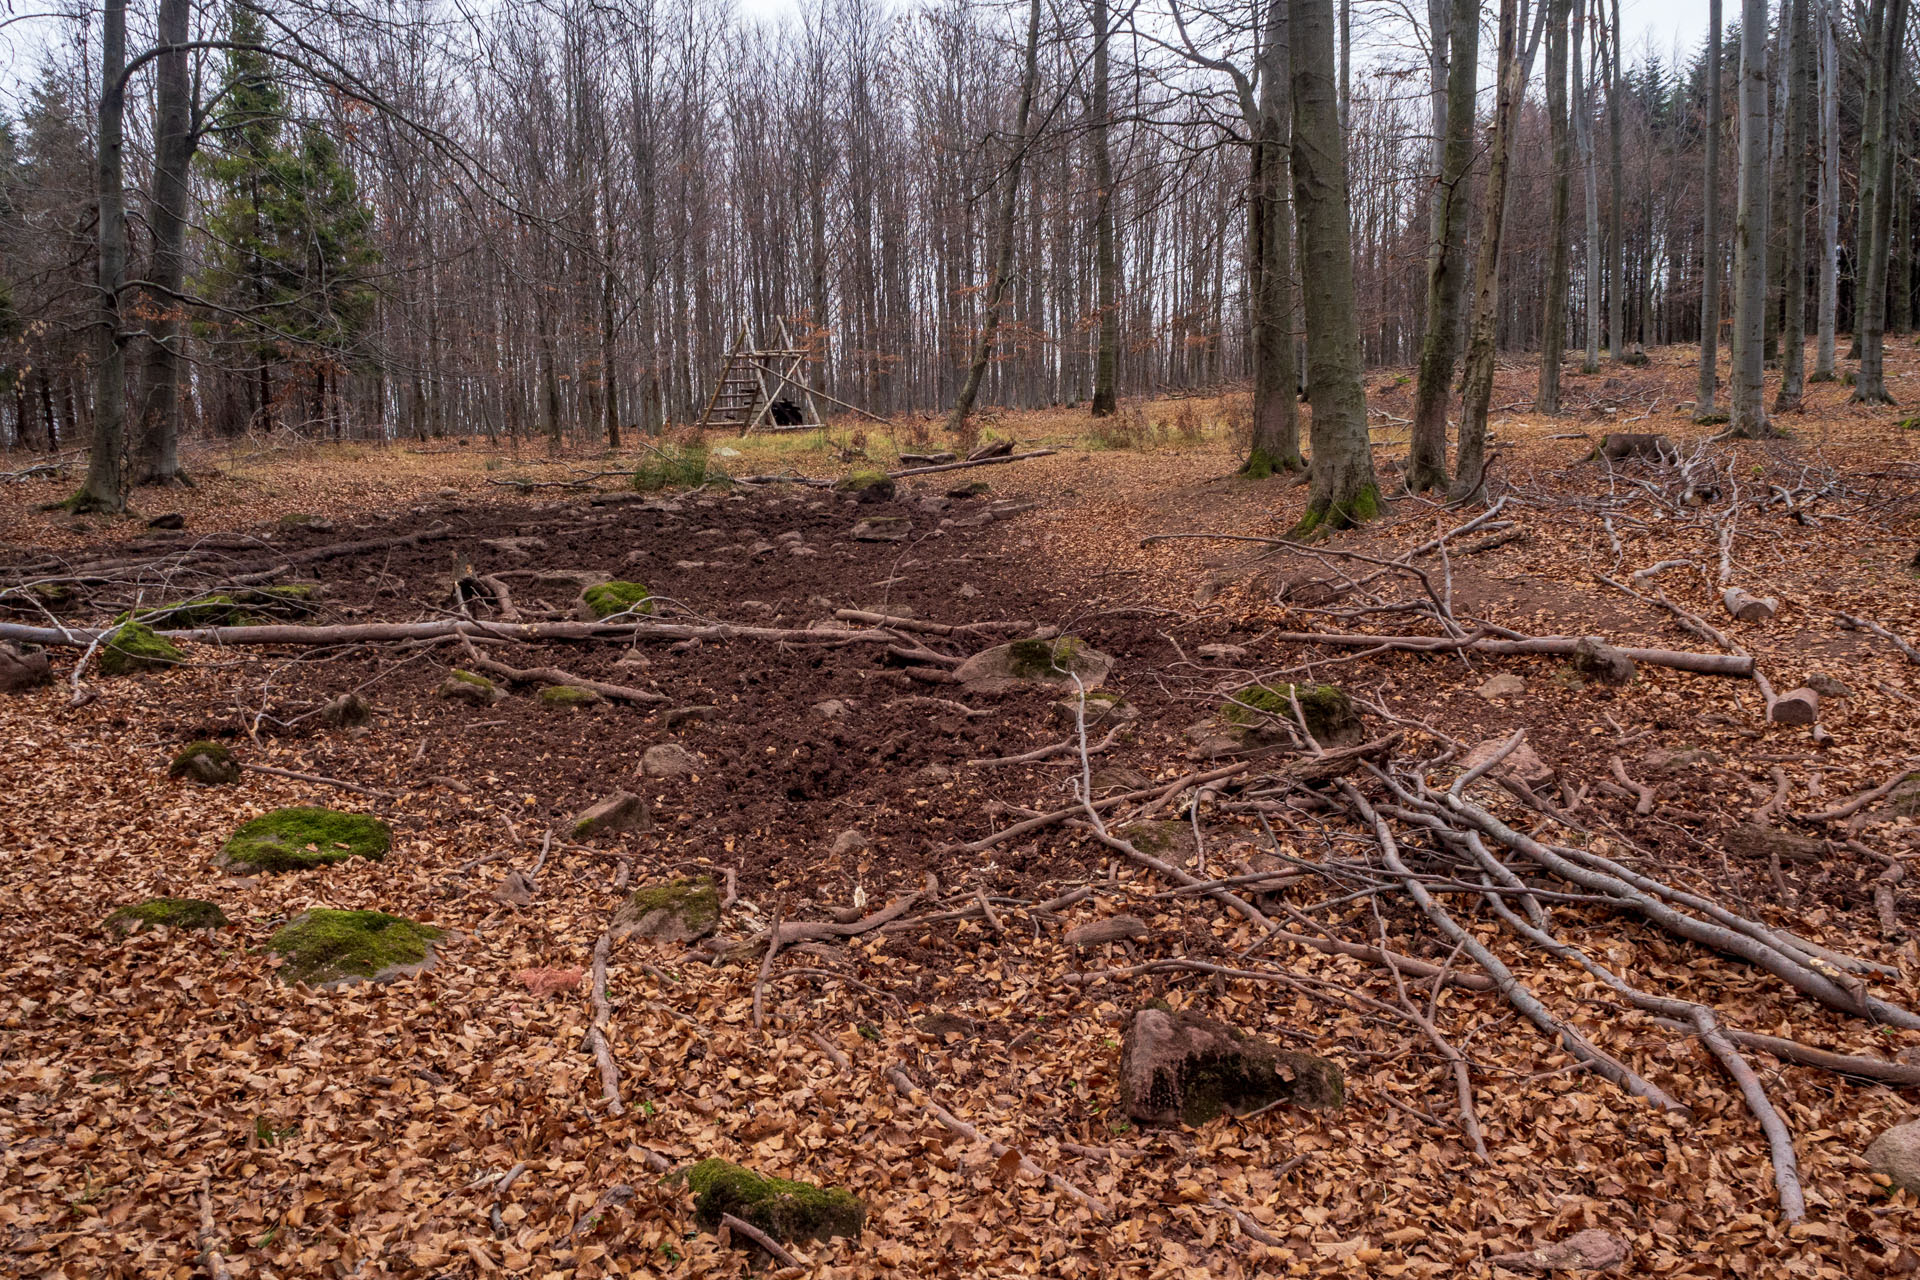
(23,668)
(1895,1155)
(622,811)
(1504,685)
(668,760)
(1180,1068)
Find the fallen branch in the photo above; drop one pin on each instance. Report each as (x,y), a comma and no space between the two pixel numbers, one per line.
(597,1032)
(210,1254)
(379,632)
(318,780)
(555,676)
(1841,812)
(1707,664)
(954,1124)
(1806,1055)
(1012,627)
(737,1227)
(971,462)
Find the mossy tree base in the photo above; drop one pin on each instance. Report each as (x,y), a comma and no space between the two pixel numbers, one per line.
(299,838)
(1324,515)
(170,913)
(330,948)
(783,1208)
(1264,465)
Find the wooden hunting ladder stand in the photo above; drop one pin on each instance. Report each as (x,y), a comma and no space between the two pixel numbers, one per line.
(753,380)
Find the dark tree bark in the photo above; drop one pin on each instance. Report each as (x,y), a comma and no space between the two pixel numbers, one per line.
(1106,358)
(1878,145)
(104,489)
(1276,402)
(1447,259)
(156,458)
(1793,185)
(1829,304)
(1344,490)
(1553,339)
(1710,234)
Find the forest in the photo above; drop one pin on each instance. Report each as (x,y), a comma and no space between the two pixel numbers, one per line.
(862,638)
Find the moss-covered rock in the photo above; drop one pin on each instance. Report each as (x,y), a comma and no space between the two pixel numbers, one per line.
(329,948)
(172,913)
(1035,662)
(785,1209)
(348,711)
(134,646)
(606,599)
(465,686)
(866,485)
(208,763)
(298,838)
(1180,1068)
(1326,709)
(679,911)
(566,697)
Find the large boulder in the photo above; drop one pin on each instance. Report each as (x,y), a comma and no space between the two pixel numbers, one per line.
(23,668)
(678,911)
(785,1209)
(208,763)
(298,838)
(1181,1068)
(1895,1156)
(332,948)
(1034,663)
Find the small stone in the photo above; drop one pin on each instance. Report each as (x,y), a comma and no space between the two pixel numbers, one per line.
(1590,1250)
(516,889)
(934,506)
(208,763)
(851,841)
(933,775)
(1895,1156)
(1598,660)
(882,529)
(1504,685)
(348,711)
(830,709)
(688,566)
(1683,760)
(801,552)
(1222,652)
(568,697)
(677,716)
(465,686)
(446,493)
(866,486)
(1103,707)
(668,760)
(620,812)
(23,668)
(679,911)
(1111,929)
(519,547)
(1180,1068)
(1522,764)
(1828,687)
(968,591)
(1036,662)
(171,520)
(1796,706)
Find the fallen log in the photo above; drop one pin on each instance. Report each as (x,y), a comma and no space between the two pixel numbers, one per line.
(971,462)
(1738,665)
(379,632)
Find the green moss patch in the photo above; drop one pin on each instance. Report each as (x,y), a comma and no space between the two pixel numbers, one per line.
(134,647)
(565,696)
(324,947)
(610,598)
(172,913)
(208,763)
(678,911)
(295,839)
(1326,708)
(1042,659)
(784,1209)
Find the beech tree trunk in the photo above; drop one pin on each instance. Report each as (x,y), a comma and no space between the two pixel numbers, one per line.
(1107,350)
(1344,489)
(1616,196)
(1553,340)
(157,448)
(1003,232)
(1749,412)
(1583,140)
(1710,233)
(105,485)
(1470,468)
(1829,304)
(1878,145)
(1447,257)
(1276,401)
(1793,184)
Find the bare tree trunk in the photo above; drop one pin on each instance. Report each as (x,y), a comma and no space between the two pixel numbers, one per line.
(1793,183)
(1583,140)
(1344,489)
(1706,408)
(1829,305)
(1878,145)
(1446,259)
(1471,466)
(1616,195)
(1003,231)
(105,486)
(1553,337)
(1749,416)
(1106,266)
(1276,400)
(157,447)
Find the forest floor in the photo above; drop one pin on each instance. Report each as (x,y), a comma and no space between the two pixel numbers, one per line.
(170,1107)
